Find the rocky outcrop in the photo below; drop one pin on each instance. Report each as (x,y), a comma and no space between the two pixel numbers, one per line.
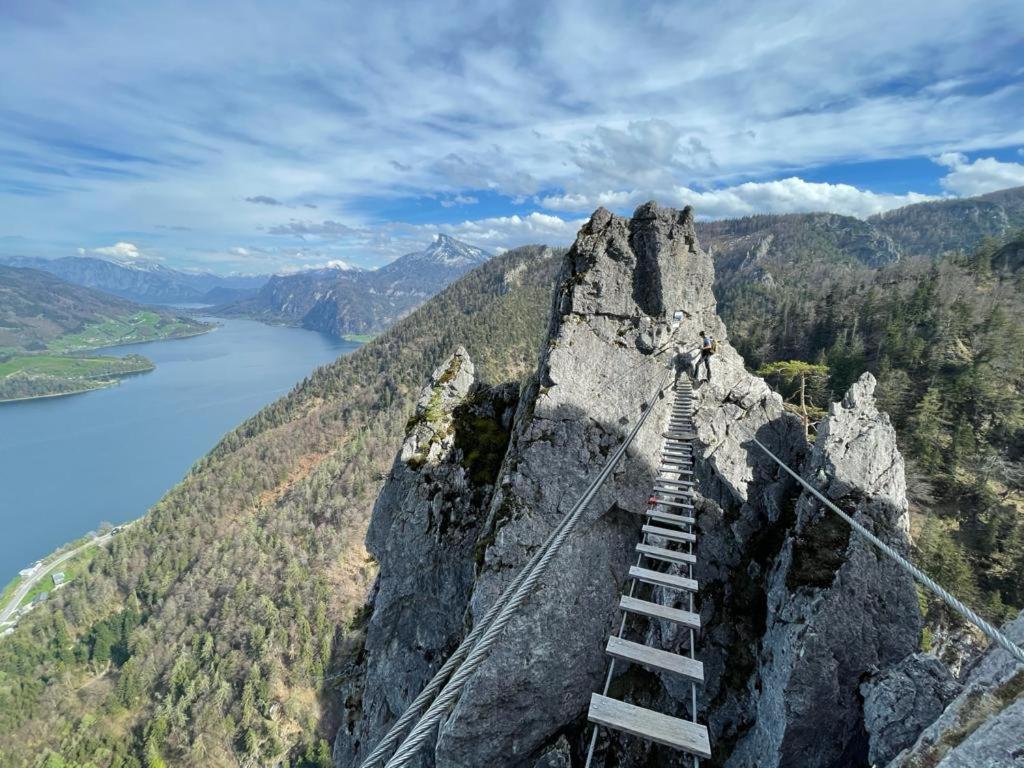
(613,306)
(424,534)
(837,607)
(796,612)
(902,702)
(984,724)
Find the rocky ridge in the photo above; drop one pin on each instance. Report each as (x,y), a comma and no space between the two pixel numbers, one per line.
(798,614)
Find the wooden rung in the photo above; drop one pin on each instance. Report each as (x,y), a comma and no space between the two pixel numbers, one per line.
(656,611)
(648,576)
(672,491)
(666,533)
(678,469)
(679,504)
(667,517)
(670,481)
(668,555)
(654,658)
(647,724)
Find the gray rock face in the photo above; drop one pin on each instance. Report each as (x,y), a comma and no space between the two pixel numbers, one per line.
(423,534)
(836,607)
(620,284)
(796,612)
(983,727)
(902,702)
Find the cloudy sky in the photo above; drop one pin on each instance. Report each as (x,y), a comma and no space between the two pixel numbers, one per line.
(263,136)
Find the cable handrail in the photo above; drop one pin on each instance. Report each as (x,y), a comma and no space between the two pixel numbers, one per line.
(432,703)
(965,611)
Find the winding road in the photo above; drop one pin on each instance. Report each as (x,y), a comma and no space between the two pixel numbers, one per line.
(45,570)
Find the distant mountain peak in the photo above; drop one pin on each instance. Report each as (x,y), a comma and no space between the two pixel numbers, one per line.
(446,250)
(341,266)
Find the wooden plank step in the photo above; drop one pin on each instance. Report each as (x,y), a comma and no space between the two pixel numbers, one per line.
(678,469)
(647,724)
(648,576)
(669,534)
(672,491)
(677,504)
(670,481)
(654,658)
(668,555)
(667,517)
(657,611)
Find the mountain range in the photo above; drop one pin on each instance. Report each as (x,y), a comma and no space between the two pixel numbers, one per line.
(142,280)
(356,301)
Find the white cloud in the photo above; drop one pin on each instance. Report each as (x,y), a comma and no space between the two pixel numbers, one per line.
(356,108)
(510,231)
(791,195)
(581,202)
(123,251)
(985,174)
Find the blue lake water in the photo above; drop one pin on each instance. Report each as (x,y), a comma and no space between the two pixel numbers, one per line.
(69,463)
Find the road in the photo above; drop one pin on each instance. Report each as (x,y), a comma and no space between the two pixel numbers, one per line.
(45,570)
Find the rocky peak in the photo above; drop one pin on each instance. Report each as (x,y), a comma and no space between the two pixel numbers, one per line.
(837,609)
(424,535)
(450,252)
(795,611)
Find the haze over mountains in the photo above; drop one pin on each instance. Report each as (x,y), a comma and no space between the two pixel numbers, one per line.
(142,280)
(356,301)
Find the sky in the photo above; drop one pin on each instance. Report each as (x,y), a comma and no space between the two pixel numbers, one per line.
(266,136)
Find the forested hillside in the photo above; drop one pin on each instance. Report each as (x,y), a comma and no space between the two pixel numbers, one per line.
(945,337)
(45,323)
(39,311)
(210,632)
(931,229)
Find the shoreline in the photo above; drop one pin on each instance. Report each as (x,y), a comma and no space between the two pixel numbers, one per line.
(107,380)
(212,327)
(101,380)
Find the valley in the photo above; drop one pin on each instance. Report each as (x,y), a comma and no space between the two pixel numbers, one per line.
(47,326)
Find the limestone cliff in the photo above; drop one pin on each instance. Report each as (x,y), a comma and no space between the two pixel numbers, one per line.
(797,613)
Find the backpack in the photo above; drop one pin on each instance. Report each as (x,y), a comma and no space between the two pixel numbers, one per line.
(714,345)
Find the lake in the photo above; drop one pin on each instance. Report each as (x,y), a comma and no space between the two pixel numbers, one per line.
(69,463)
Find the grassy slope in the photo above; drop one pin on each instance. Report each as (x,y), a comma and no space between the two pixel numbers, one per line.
(247,574)
(39,311)
(73,367)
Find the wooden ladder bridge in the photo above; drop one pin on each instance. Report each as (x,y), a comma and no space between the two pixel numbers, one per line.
(664,565)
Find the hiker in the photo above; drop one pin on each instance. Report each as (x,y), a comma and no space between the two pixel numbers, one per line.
(707,349)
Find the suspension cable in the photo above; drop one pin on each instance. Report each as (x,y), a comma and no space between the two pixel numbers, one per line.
(990,631)
(476,645)
(448,696)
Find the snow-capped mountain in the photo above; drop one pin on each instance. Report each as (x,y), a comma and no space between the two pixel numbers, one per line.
(450,252)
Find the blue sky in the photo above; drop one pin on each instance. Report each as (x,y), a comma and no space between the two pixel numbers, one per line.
(271,136)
